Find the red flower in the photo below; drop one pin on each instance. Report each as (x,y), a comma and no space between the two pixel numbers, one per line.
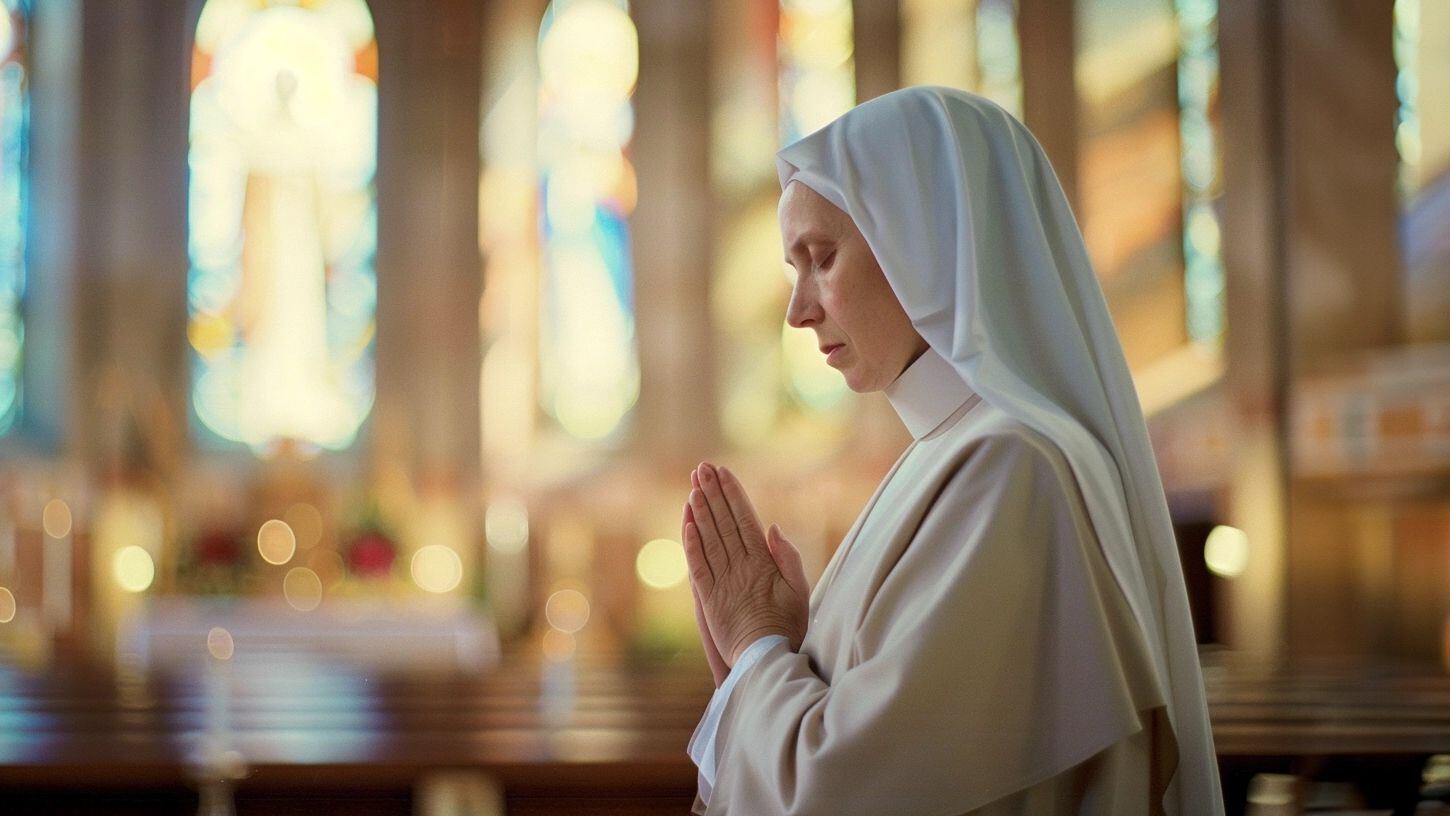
(217,548)
(371,555)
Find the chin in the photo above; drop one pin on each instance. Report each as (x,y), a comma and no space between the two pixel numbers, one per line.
(861,384)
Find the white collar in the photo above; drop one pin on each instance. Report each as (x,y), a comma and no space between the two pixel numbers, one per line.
(927,393)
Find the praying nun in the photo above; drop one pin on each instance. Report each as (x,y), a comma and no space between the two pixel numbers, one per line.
(1005,628)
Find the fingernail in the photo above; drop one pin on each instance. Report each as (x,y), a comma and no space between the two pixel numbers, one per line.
(709,474)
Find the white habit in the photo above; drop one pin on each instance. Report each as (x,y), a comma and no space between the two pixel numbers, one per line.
(968,650)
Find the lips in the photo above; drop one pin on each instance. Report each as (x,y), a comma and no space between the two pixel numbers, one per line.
(827,349)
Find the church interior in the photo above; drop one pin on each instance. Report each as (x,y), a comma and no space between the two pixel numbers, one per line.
(398,530)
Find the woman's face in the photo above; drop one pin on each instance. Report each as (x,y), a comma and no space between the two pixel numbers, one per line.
(842,294)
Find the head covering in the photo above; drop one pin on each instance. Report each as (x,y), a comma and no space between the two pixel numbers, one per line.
(967,220)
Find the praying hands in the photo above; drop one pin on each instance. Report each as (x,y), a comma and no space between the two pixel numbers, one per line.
(747,582)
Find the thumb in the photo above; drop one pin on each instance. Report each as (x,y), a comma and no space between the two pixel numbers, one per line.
(787,560)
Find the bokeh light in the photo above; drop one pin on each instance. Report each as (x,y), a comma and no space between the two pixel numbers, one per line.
(558,646)
(436,568)
(661,564)
(219,643)
(567,610)
(506,526)
(7,605)
(56,518)
(133,568)
(276,542)
(302,589)
(1226,552)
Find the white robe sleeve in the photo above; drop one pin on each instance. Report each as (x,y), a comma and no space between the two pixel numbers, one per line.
(993,656)
(702,743)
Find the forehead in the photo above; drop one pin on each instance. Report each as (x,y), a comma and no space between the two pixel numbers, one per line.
(803,210)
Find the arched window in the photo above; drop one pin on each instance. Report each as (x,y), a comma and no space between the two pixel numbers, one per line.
(14,137)
(589,366)
(282,221)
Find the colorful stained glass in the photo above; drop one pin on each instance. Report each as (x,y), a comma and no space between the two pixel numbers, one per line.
(589,366)
(14,146)
(283,220)
(1200,162)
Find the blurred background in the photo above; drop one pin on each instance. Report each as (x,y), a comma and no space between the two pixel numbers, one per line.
(354,356)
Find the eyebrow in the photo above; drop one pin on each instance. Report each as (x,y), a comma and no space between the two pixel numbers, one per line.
(806,238)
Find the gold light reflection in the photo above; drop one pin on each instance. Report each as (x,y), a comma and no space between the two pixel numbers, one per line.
(302,589)
(436,568)
(661,564)
(133,568)
(7,605)
(276,542)
(567,610)
(219,643)
(506,526)
(558,646)
(1226,552)
(56,518)
(306,524)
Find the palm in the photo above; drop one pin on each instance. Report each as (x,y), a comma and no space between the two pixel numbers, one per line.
(743,592)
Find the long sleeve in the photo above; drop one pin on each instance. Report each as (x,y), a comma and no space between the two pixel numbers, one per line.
(994,654)
(702,743)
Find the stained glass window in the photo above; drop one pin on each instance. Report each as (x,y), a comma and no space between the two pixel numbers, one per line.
(589,366)
(968,44)
(14,134)
(1149,167)
(1422,136)
(282,221)
(1199,158)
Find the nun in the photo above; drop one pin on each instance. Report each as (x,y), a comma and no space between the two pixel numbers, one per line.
(1005,628)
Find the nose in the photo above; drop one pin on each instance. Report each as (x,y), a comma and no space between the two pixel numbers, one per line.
(803,309)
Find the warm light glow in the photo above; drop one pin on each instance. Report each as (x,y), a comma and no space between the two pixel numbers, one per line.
(506,526)
(567,610)
(1226,552)
(437,568)
(282,220)
(7,33)
(56,518)
(558,646)
(661,564)
(276,542)
(7,605)
(133,567)
(302,589)
(306,524)
(219,643)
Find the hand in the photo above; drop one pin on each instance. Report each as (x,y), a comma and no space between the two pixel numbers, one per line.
(749,581)
(718,668)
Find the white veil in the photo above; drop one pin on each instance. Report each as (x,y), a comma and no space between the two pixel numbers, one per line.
(967,219)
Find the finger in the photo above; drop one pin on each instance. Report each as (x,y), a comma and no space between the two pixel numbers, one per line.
(745,516)
(725,523)
(788,561)
(685,524)
(702,575)
(711,543)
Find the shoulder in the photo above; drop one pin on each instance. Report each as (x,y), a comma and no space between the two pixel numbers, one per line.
(1006,462)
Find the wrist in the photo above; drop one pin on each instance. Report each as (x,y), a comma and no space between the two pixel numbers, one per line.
(748,639)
